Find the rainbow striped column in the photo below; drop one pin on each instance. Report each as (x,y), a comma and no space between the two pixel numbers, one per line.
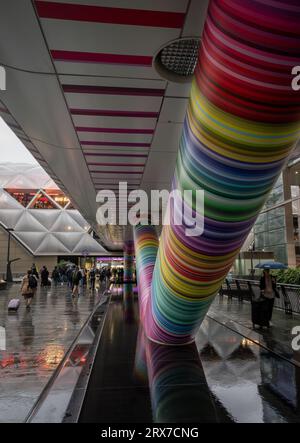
(146,247)
(242,121)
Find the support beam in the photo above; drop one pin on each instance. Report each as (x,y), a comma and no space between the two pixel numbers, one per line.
(128,261)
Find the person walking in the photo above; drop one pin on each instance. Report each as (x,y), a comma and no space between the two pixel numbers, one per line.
(69,275)
(77,276)
(44,276)
(102,276)
(92,278)
(34,271)
(268,290)
(55,276)
(27,290)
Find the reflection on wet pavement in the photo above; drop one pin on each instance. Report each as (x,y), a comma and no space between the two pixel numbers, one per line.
(36,341)
(252,384)
(278,338)
(223,377)
(177,383)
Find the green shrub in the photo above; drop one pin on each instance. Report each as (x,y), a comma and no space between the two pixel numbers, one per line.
(290,276)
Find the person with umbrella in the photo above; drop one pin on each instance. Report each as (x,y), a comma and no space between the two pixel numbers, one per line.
(268,287)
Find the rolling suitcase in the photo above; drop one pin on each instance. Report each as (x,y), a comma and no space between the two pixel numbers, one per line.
(14,304)
(260,313)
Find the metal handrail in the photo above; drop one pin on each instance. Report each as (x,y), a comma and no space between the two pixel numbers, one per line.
(233,279)
(60,366)
(289,294)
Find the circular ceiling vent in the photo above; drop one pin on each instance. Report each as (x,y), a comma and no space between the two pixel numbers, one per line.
(177,61)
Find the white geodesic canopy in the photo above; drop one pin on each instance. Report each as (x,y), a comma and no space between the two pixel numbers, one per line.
(56,231)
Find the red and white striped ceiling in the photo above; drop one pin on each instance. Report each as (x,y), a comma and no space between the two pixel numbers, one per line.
(122,121)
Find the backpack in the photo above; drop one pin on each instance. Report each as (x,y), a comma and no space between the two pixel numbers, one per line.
(32,283)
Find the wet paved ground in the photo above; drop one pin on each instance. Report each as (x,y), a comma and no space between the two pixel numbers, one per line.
(228,375)
(223,377)
(36,341)
(237,316)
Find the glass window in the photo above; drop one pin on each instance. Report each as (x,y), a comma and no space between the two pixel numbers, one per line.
(58,196)
(280,253)
(42,202)
(276,223)
(277,237)
(23,196)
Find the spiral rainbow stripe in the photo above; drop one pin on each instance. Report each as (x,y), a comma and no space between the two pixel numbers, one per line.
(242,122)
(146,247)
(177,382)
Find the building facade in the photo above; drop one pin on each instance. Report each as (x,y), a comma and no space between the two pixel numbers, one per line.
(43,223)
(277,227)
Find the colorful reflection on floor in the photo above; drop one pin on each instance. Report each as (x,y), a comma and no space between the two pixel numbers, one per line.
(36,342)
(223,377)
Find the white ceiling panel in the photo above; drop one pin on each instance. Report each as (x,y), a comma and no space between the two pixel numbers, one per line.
(114,102)
(106,137)
(18,32)
(116,71)
(114,122)
(92,37)
(160,164)
(116,169)
(40,96)
(120,81)
(167,137)
(173,110)
(178,90)
(116,159)
(152,185)
(57,112)
(195,19)
(116,149)
(119,176)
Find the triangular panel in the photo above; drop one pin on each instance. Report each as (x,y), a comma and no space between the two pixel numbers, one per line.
(42,201)
(51,245)
(45,217)
(69,239)
(8,202)
(87,243)
(31,239)
(65,223)
(28,223)
(10,217)
(20,182)
(78,218)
